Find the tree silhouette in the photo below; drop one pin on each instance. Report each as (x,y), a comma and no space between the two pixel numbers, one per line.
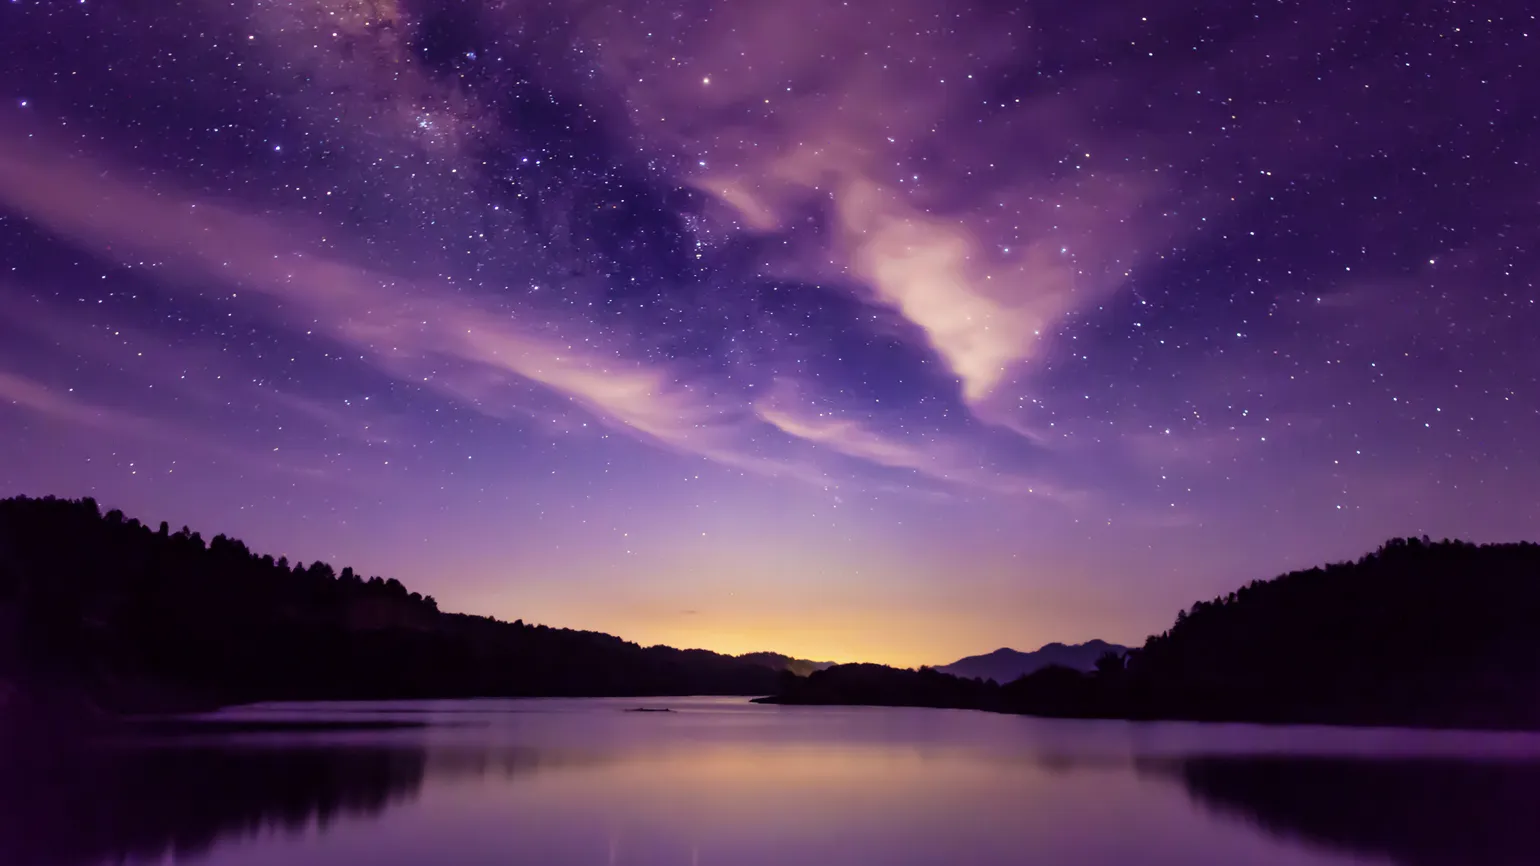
(149,620)
(1416,633)
(1109,664)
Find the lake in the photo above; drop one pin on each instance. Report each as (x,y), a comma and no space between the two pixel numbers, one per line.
(723,781)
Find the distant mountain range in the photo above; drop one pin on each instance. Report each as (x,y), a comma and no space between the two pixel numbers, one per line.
(1005,664)
(1418,633)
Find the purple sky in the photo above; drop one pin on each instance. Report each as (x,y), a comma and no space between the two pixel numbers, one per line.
(884,331)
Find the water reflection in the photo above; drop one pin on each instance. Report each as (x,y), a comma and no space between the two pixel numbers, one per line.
(585,783)
(108,805)
(1420,812)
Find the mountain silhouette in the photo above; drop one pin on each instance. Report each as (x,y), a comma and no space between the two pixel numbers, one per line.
(779,662)
(1005,664)
(1417,633)
(102,615)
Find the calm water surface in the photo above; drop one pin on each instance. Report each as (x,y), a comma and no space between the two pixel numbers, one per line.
(722,781)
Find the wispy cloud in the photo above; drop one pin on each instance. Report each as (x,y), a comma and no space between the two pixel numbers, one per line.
(936,456)
(196,369)
(34,396)
(63,406)
(405,327)
(984,258)
(456,345)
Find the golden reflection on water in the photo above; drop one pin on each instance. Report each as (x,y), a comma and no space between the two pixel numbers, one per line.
(550,783)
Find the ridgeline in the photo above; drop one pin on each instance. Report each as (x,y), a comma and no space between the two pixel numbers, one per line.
(1417,633)
(100,614)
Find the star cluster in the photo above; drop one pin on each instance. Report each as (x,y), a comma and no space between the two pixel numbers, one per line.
(893,331)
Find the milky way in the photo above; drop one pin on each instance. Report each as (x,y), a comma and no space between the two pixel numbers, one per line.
(890,330)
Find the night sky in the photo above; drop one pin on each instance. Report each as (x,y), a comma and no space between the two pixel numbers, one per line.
(890,331)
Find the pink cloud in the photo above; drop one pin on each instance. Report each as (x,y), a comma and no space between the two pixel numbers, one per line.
(456,345)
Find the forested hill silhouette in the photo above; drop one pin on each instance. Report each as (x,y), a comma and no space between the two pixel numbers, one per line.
(1416,633)
(778,662)
(100,611)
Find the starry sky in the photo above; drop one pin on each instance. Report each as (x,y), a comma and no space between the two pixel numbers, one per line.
(895,330)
